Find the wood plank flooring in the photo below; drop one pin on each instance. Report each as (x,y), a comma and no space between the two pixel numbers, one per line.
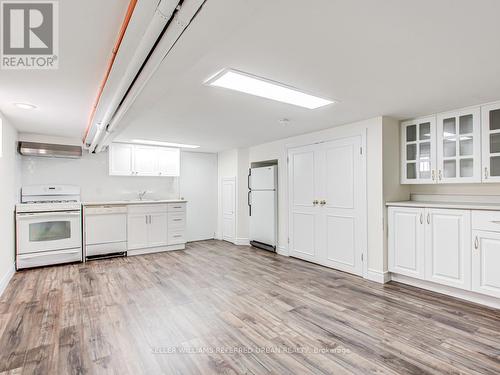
(220,309)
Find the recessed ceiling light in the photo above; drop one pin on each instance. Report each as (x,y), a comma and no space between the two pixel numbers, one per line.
(253,85)
(25,105)
(158,143)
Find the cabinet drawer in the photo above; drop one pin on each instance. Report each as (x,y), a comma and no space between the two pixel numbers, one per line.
(147,208)
(176,237)
(486,220)
(177,207)
(176,220)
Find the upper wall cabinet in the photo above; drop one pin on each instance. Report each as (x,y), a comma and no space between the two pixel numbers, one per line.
(138,160)
(490,115)
(418,149)
(459,146)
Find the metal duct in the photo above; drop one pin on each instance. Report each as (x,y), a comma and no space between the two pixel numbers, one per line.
(49,150)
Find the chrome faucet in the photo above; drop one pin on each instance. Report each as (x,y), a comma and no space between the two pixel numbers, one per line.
(141,194)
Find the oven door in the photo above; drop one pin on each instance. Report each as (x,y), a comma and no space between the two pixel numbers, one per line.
(47,231)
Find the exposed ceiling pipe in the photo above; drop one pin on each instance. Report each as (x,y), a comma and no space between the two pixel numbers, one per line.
(181,20)
(123,28)
(161,17)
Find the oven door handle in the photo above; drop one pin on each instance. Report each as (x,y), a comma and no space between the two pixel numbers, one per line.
(43,254)
(27,215)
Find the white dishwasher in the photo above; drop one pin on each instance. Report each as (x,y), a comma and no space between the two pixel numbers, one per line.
(105,231)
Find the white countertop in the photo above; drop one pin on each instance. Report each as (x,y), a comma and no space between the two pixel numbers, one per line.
(456,205)
(129,202)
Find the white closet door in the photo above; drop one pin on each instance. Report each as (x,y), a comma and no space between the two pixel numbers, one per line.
(228,209)
(303,195)
(341,204)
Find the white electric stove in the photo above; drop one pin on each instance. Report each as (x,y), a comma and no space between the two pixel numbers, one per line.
(49,229)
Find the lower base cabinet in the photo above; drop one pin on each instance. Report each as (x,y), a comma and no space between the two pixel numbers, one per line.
(453,247)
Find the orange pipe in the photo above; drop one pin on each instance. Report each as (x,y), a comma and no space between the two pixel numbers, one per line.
(130,10)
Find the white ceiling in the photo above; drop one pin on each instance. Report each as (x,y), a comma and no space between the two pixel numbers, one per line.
(88,31)
(398,58)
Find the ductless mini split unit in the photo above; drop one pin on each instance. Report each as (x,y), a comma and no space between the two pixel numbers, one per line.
(129,72)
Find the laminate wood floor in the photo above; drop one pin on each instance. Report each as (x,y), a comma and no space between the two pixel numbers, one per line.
(220,309)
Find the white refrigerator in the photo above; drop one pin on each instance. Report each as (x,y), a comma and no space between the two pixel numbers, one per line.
(263,206)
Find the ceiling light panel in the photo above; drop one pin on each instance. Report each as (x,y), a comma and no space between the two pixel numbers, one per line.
(253,85)
(159,143)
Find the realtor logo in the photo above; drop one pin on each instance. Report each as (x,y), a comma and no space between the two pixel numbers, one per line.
(30,34)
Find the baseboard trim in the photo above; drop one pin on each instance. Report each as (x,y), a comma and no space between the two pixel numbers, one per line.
(6,278)
(378,277)
(448,290)
(152,250)
(282,250)
(241,242)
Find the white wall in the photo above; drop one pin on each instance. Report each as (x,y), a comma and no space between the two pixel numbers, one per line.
(375,181)
(198,184)
(9,196)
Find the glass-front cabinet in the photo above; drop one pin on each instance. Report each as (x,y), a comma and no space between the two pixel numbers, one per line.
(459,146)
(418,149)
(490,120)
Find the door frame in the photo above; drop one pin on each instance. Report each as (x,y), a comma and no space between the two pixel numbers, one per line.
(235,206)
(364,218)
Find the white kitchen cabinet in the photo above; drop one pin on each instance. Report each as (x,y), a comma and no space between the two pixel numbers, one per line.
(137,233)
(448,247)
(327,205)
(490,120)
(147,226)
(121,159)
(418,151)
(486,263)
(140,160)
(407,241)
(158,229)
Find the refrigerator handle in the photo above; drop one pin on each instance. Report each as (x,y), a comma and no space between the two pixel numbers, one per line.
(249,204)
(248,179)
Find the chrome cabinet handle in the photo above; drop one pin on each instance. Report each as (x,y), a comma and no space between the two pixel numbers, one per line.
(322,202)
(433,175)
(486,173)
(315,202)
(428,218)
(421,218)
(440,174)
(476,243)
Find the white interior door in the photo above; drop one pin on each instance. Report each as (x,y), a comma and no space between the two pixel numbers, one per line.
(303,198)
(342,204)
(448,247)
(228,209)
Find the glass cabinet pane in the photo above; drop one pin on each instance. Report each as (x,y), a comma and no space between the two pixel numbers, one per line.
(411,171)
(466,145)
(450,148)
(495,166)
(411,133)
(425,150)
(466,167)
(411,152)
(466,124)
(495,119)
(450,168)
(449,128)
(424,131)
(494,143)
(49,231)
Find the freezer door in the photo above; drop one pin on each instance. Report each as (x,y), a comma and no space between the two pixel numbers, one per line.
(263,220)
(263,178)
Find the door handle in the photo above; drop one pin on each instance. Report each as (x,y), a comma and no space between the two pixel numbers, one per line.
(249,202)
(322,202)
(486,173)
(248,179)
(433,175)
(421,218)
(428,218)
(440,174)
(476,243)
(315,202)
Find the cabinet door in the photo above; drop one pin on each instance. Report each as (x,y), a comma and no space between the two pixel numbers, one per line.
(157,229)
(418,151)
(303,203)
(490,145)
(459,146)
(485,263)
(145,161)
(448,247)
(120,159)
(168,161)
(137,231)
(406,241)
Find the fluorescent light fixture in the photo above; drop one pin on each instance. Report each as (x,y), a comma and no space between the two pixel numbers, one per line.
(253,85)
(25,105)
(158,143)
